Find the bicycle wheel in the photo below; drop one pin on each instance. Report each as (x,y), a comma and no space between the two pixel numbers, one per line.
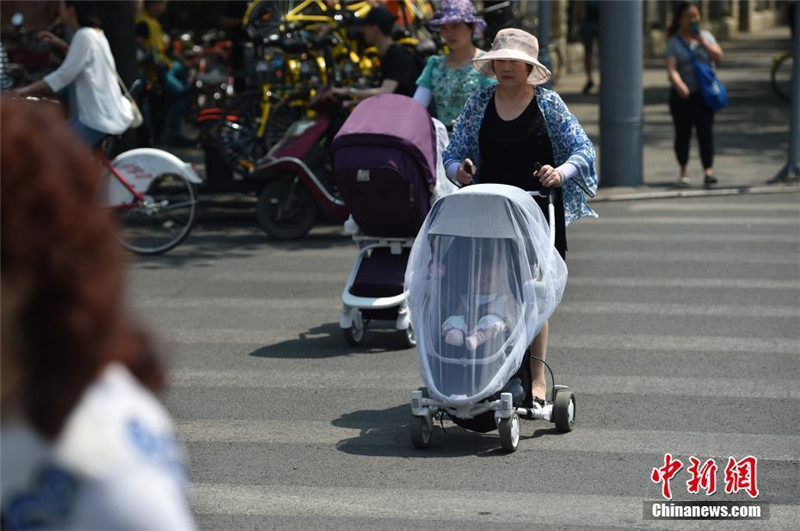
(162,220)
(282,116)
(238,132)
(285,209)
(781,76)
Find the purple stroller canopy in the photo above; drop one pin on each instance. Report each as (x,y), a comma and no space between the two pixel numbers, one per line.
(393,120)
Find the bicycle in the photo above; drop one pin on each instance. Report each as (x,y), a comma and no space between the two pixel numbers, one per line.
(308,46)
(151,193)
(781,75)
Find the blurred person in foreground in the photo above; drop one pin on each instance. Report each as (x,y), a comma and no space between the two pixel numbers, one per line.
(84,442)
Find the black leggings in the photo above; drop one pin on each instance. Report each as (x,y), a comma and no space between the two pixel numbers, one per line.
(688,113)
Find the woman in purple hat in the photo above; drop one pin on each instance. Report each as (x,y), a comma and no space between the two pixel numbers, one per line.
(448,80)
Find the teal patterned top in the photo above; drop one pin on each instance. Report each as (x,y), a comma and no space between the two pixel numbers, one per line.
(451,86)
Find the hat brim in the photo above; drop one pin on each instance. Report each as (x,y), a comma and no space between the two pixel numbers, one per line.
(538,76)
(480,24)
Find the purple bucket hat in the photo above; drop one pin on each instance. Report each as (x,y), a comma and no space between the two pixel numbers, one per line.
(452,11)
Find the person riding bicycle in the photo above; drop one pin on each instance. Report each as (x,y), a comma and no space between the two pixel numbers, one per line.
(399,70)
(101,108)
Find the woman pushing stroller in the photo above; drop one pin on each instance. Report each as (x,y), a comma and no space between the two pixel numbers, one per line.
(521,134)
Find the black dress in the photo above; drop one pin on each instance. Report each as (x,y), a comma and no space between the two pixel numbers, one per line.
(510,150)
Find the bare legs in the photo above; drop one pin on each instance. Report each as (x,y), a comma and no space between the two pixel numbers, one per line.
(539,351)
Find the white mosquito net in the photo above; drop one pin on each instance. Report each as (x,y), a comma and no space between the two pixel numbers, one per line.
(482,278)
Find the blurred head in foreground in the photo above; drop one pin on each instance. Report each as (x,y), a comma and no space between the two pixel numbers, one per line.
(63,308)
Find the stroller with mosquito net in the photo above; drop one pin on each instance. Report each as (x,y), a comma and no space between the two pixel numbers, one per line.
(483,278)
(385,166)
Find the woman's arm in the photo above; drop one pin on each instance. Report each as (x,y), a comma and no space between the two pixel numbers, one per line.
(37,87)
(567,133)
(73,64)
(711,46)
(671,63)
(423,95)
(59,43)
(464,139)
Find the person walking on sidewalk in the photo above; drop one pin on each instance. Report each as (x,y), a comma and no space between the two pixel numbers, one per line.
(688,110)
(506,130)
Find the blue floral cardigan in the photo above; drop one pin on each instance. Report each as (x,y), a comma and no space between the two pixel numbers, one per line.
(570,144)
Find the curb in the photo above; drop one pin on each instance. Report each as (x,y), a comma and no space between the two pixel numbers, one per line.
(716,192)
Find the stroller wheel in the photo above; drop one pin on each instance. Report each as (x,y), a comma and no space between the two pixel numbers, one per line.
(509,432)
(355,334)
(564,410)
(421,432)
(408,337)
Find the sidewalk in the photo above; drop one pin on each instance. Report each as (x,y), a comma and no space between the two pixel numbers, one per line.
(751,135)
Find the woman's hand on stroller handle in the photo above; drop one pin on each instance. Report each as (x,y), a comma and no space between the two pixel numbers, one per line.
(548,176)
(466,172)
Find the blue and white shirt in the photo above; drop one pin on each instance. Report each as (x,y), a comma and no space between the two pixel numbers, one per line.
(569,140)
(115,465)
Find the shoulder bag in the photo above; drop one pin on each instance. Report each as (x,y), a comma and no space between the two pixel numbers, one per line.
(138,119)
(712,89)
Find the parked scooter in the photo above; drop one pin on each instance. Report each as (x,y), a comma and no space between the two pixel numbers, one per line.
(295,176)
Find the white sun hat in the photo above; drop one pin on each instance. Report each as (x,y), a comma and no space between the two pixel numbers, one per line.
(514,45)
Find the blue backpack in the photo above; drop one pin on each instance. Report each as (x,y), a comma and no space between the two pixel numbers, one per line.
(712,89)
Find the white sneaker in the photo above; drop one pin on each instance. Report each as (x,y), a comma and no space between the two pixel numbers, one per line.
(682,181)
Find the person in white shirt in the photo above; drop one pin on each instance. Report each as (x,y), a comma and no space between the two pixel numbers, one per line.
(84,443)
(102,108)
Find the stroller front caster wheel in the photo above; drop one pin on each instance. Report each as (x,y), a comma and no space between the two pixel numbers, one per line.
(509,433)
(421,432)
(564,410)
(409,341)
(354,335)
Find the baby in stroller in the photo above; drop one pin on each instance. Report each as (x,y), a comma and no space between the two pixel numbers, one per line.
(492,306)
(483,277)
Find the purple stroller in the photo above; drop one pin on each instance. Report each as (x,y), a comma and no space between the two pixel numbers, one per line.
(385,169)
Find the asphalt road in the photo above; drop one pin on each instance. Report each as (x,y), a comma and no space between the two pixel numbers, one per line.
(678,333)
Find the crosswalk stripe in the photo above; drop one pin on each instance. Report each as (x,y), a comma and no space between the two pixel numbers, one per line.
(674,282)
(345,253)
(584,341)
(764,446)
(707,206)
(705,257)
(579,237)
(647,219)
(619,308)
(599,385)
(663,309)
(575,280)
(335,278)
(677,343)
(264,303)
(429,506)
(414,504)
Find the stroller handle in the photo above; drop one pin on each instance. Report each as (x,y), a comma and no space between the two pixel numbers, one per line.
(551,207)
(551,210)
